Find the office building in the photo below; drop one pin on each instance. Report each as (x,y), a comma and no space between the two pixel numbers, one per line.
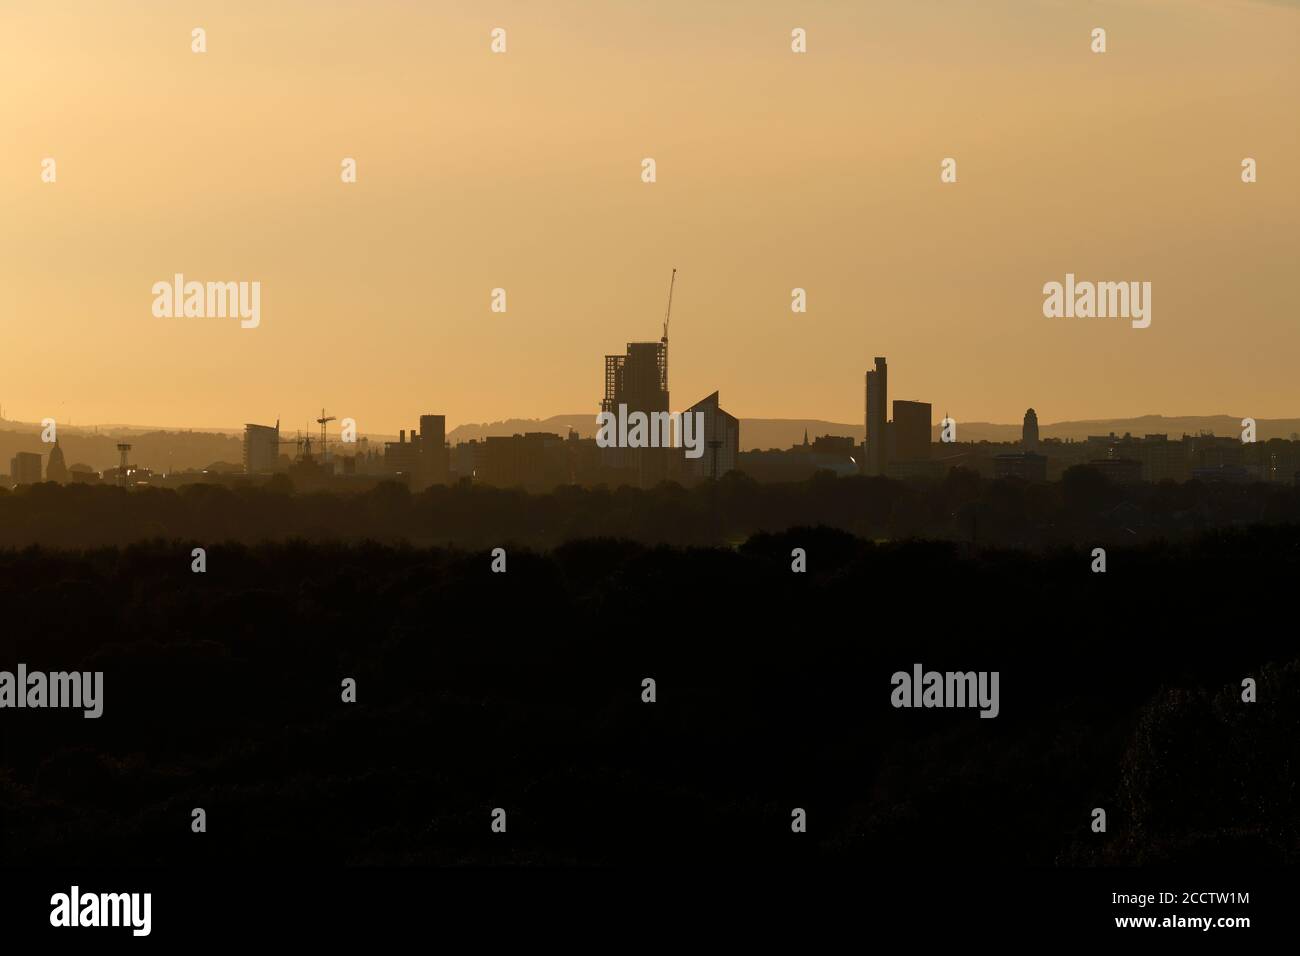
(721,441)
(435,461)
(911,432)
(261,448)
(420,457)
(877,443)
(1029,433)
(25,468)
(639,381)
(402,457)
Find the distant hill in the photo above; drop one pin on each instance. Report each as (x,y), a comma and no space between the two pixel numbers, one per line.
(584,425)
(763,433)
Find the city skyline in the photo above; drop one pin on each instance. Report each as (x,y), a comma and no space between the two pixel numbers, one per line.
(813,439)
(1199,422)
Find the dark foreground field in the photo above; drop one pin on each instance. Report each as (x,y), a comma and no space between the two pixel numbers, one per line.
(522,690)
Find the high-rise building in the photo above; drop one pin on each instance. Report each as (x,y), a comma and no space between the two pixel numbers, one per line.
(25,468)
(639,381)
(911,431)
(877,443)
(402,457)
(435,461)
(721,441)
(422,458)
(56,469)
(261,448)
(1029,433)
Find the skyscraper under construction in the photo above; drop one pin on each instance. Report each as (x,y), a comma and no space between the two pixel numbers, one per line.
(639,380)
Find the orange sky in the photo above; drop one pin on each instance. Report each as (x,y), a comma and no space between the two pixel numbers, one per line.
(522,171)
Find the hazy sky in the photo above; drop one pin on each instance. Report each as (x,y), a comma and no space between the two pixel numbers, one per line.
(522,171)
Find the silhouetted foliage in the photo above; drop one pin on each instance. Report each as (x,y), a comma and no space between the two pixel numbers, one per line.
(1083,508)
(522,690)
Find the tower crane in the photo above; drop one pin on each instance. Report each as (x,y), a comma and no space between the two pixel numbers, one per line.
(322,422)
(669,311)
